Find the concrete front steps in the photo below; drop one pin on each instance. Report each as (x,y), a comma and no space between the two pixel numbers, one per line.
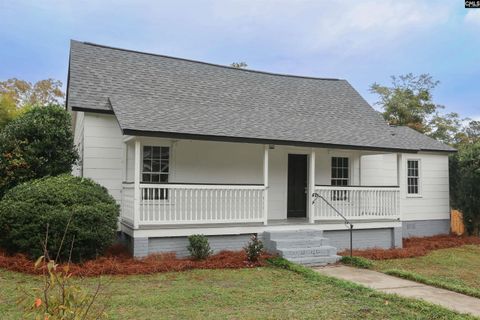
(307,247)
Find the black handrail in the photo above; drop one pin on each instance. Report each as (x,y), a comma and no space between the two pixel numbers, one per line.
(347,222)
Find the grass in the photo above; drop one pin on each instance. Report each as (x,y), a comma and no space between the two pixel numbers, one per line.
(282,291)
(358,262)
(454,269)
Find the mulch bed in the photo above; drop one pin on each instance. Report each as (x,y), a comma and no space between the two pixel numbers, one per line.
(117,262)
(415,247)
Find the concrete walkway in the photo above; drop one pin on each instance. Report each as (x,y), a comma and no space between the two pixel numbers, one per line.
(382,282)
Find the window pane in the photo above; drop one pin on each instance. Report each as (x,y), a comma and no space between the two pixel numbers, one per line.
(155,177)
(164,178)
(165,152)
(164,168)
(147,152)
(147,165)
(345,173)
(156,152)
(145,178)
(334,162)
(155,165)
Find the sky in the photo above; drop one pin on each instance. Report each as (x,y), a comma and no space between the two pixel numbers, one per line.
(363,41)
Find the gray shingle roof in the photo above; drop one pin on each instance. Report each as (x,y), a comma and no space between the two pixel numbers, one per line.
(159,95)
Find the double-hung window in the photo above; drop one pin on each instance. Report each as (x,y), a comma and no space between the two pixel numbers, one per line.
(340,177)
(413,177)
(155,169)
(340,171)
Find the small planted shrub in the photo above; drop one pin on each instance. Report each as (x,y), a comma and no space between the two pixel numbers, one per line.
(358,262)
(253,249)
(199,247)
(73,209)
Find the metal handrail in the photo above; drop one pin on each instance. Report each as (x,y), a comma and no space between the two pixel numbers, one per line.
(347,222)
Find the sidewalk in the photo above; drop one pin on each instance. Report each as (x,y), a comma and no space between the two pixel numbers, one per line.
(406,288)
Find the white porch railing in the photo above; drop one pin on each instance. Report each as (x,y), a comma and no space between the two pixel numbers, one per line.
(357,203)
(198,204)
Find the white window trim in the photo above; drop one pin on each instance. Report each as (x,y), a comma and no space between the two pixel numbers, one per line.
(170,156)
(165,202)
(349,180)
(420,174)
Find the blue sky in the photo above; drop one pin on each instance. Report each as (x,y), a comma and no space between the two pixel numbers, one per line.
(362,41)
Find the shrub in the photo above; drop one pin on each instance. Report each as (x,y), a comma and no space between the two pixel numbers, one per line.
(253,249)
(199,247)
(90,213)
(358,262)
(36,144)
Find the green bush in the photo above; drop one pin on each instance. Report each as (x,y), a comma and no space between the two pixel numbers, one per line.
(27,209)
(36,144)
(199,247)
(358,262)
(253,249)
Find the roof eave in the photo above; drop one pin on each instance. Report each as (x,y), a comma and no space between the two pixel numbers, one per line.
(189,136)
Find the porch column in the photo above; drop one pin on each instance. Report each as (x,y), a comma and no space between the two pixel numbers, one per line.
(265,184)
(136,180)
(311,185)
(400,179)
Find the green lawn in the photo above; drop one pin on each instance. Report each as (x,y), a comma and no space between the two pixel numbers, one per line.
(455,268)
(261,293)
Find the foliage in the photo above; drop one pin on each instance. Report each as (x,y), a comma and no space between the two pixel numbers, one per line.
(239,65)
(18,96)
(38,143)
(465,179)
(78,205)
(432,282)
(409,102)
(59,298)
(199,247)
(253,249)
(8,109)
(358,262)
(41,93)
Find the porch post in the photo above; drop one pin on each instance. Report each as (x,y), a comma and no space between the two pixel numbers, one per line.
(265,184)
(400,175)
(311,185)
(136,190)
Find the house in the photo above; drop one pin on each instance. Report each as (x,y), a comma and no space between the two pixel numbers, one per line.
(188,147)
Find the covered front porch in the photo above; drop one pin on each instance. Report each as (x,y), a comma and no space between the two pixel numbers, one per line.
(187,184)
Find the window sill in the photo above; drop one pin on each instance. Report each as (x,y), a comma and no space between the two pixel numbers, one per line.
(414,196)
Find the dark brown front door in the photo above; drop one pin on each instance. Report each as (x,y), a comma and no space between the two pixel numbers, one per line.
(297,182)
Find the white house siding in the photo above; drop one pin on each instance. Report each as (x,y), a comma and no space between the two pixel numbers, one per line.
(221,162)
(425,214)
(379,170)
(103,153)
(433,202)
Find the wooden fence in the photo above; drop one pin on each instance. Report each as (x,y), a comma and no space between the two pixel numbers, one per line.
(456,222)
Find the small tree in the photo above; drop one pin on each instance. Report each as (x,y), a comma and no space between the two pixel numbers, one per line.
(465,185)
(36,144)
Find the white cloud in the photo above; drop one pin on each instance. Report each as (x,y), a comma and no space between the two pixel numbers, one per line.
(473,17)
(341,26)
